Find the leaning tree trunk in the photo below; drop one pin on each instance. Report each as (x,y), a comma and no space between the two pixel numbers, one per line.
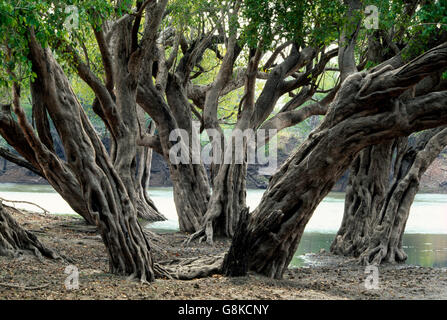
(15,240)
(385,243)
(366,111)
(369,179)
(103,191)
(46,164)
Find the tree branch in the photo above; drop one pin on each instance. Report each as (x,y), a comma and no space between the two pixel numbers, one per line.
(11,157)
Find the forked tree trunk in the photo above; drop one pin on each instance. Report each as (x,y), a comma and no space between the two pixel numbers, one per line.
(385,240)
(369,180)
(47,164)
(127,132)
(14,240)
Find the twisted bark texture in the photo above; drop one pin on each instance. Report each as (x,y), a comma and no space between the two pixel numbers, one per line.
(366,111)
(385,236)
(374,177)
(102,189)
(14,240)
(368,183)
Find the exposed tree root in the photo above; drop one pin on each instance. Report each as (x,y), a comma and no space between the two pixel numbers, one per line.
(190,268)
(14,240)
(201,235)
(15,286)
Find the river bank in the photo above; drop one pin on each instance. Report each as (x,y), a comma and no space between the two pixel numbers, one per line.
(434,179)
(326,277)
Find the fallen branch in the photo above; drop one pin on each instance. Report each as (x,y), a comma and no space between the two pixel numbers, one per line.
(16,286)
(25,202)
(190,268)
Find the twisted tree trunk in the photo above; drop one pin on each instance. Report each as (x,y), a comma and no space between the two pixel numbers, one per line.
(190,181)
(368,183)
(102,188)
(46,163)
(365,112)
(129,129)
(385,237)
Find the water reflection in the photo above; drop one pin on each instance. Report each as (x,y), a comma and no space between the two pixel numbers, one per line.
(426,250)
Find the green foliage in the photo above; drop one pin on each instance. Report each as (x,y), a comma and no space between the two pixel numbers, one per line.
(192,12)
(53,24)
(430,23)
(310,22)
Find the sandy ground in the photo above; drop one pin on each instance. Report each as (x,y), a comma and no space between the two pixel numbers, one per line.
(327,277)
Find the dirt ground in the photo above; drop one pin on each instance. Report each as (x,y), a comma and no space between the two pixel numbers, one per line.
(327,277)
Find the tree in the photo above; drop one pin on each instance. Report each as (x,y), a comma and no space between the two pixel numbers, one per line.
(299,75)
(374,177)
(385,235)
(103,184)
(136,57)
(370,187)
(366,111)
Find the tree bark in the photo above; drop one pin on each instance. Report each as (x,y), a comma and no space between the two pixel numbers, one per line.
(374,176)
(236,260)
(190,182)
(14,240)
(366,111)
(57,173)
(385,237)
(144,167)
(102,189)
(127,131)
(369,180)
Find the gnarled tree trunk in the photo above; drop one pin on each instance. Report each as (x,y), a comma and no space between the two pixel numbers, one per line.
(369,180)
(190,181)
(366,111)
(47,164)
(102,189)
(385,238)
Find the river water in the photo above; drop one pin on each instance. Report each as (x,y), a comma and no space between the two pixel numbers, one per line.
(425,239)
